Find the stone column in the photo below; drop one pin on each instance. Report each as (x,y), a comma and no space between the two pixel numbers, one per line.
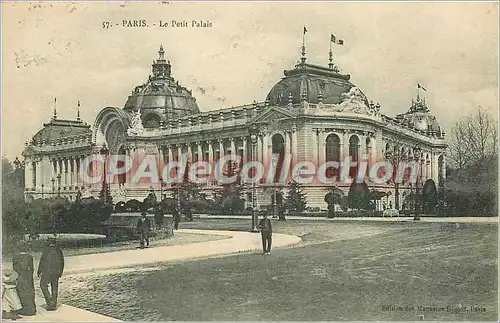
(210,153)
(161,157)
(321,147)
(28,173)
(221,148)
(233,146)
(345,145)
(259,148)
(427,169)
(373,152)
(266,150)
(314,143)
(435,168)
(443,169)
(295,146)
(70,171)
(362,147)
(179,152)
(78,162)
(170,154)
(287,142)
(245,152)
(200,151)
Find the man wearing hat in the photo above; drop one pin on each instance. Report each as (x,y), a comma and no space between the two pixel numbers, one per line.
(50,269)
(143,226)
(22,263)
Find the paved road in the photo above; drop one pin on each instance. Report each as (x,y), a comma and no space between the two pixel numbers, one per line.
(235,242)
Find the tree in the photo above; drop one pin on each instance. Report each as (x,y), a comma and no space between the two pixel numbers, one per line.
(295,201)
(232,193)
(473,139)
(333,197)
(472,178)
(150,201)
(84,215)
(105,194)
(188,194)
(13,204)
(359,196)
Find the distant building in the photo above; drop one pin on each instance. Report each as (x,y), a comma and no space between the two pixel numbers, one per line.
(313,113)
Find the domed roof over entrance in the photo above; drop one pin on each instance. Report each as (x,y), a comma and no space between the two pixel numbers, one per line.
(312,83)
(161,97)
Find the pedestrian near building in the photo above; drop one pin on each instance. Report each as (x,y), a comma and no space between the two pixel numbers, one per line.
(144,226)
(10,299)
(177,218)
(22,263)
(266,231)
(50,269)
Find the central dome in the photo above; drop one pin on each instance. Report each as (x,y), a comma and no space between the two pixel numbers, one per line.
(161,98)
(313,83)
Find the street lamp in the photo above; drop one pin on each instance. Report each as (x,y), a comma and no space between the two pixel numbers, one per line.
(417,152)
(53,185)
(59,184)
(161,189)
(255,218)
(104,151)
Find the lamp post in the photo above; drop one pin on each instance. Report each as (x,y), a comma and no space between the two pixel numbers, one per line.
(59,185)
(41,185)
(417,153)
(161,189)
(274,200)
(104,151)
(255,219)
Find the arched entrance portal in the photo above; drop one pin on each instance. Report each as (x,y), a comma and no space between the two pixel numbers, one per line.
(278,148)
(332,154)
(429,197)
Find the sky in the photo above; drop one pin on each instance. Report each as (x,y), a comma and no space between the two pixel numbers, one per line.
(60,49)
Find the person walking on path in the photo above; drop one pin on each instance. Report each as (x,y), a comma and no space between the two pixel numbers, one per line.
(10,299)
(266,231)
(50,269)
(22,263)
(177,218)
(144,226)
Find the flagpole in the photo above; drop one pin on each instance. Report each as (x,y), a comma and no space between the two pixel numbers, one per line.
(303,58)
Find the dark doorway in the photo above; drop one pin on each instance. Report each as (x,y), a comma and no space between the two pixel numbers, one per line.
(278,148)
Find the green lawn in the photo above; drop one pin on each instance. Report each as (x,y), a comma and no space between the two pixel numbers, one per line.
(414,264)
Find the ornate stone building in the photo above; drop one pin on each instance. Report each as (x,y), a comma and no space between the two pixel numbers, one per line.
(313,113)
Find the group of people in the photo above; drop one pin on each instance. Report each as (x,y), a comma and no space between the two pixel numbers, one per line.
(18,293)
(144,227)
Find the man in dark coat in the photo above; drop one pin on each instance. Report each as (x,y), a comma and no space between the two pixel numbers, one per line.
(22,263)
(177,218)
(50,269)
(266,231)
(144,226)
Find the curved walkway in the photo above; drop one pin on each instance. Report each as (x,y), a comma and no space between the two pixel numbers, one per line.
(234,243)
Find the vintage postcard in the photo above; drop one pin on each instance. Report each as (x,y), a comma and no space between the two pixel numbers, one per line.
(249,161)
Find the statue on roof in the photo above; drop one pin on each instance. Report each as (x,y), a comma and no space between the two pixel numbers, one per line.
(354,101)
(136,127)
